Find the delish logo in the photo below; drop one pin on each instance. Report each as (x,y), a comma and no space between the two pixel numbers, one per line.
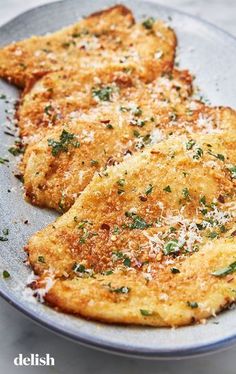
(34,360)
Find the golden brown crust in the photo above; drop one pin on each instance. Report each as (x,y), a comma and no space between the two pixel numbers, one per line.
(91,298)
(69,92)
(56,181)
(136,116)
(109,38)
(123,10)
(120,239)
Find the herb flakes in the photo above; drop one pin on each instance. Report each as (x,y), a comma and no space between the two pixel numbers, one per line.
(174,270)
(145,312)
(198,154)
(149,189)
(102,94)
(232,170)
(138,222)
(3,160)
(167,189)
(148,23)
(6,274)
(185,193)
(171,247)
(122,290)
(192,304)
(225,271)
(62,145)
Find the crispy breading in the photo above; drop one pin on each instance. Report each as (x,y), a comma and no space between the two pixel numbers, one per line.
(161,252)
(107,38)
(58,96)
(55,176)
(109,129)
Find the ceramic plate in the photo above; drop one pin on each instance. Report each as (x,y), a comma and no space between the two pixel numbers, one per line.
(207,52)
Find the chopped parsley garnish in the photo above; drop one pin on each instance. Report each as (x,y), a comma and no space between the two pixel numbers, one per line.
(149,189)
(61,204)
(85,236)
(148,23)
(145,312)
(48,109)
(116,230)
(66,139)
(225,271)
(204,211)
(198,154)
(123,289)
(192,304)
(167,189)
(138,222)
(5,274)
(109,126)
(108,272)
(171,247)
(41,259)
(5,231)
(93,162)
(213,235)
(174,270)
(202,200)
(3,239)
(66,44)
(137,122)
(121,256)
(137,111)
(16,151)
(82,224)
(79,268)
(118,255)
(127,262)
(217,155)
(3,160)
(103,94)
(79,34)
(185,193)
(232,170)
(190,144)
(121,182)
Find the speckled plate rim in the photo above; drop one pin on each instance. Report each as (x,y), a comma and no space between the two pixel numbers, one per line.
(91,341)
(119,349)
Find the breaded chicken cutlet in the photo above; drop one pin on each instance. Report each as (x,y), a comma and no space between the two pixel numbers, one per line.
(104,39)
(57,168)
(60,166)
(62,96)
(160,253)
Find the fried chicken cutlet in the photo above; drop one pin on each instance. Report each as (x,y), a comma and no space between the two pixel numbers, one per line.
(61,165)
(61,96)
(160,253)
(57,168)
(107,38)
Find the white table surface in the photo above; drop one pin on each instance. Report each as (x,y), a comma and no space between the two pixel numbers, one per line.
(19,335)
